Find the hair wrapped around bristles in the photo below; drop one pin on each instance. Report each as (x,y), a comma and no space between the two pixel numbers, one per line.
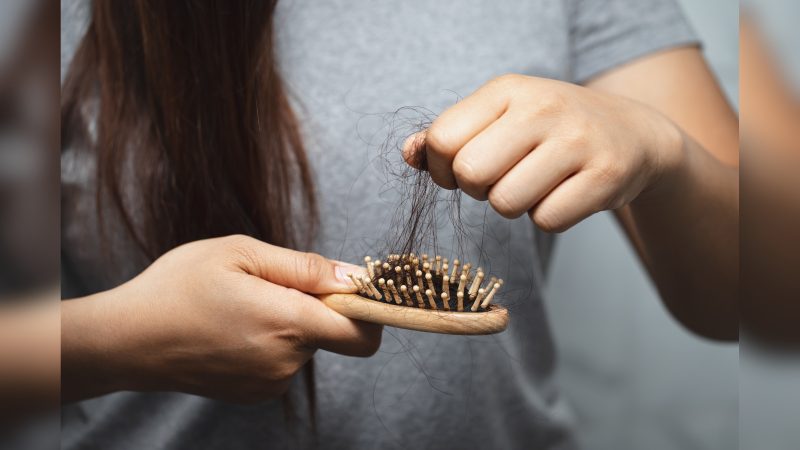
(418,281)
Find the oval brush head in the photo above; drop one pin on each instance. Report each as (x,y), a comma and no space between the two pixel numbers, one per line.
(418,293)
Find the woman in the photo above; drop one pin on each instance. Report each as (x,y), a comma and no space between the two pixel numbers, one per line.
(204,119)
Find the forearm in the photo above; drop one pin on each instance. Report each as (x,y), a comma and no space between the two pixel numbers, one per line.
(771,110)
(686,228)
(92,348)
(29,359)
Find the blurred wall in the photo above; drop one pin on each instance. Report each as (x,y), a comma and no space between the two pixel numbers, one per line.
(636,379)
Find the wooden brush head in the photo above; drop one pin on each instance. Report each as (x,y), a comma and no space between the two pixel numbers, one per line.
(424,294)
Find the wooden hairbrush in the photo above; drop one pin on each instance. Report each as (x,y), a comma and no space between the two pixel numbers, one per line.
(418,293)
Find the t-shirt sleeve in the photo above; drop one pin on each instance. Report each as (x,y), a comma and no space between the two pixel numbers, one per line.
(608,33)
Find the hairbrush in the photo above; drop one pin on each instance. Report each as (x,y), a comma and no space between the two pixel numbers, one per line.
(424,294)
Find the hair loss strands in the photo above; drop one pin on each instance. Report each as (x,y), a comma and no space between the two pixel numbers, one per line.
(437,305)
(422,203)
(437,286)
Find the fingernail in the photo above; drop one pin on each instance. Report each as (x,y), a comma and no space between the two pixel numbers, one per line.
(341,275)
(342,269)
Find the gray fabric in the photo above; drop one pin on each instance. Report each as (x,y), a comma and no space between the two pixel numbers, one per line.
(348,63)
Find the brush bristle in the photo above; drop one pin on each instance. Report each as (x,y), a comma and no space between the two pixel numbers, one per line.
(410,279)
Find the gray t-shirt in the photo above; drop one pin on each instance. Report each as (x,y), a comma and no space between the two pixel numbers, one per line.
(347,64)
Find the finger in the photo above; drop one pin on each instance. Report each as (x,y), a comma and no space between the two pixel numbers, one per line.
(327,329)
(575,199)
(494,151)
(314,324)
(455,127)
(307,272)
(532,178)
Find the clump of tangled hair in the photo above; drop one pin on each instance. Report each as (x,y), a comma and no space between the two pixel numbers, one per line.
(422,204)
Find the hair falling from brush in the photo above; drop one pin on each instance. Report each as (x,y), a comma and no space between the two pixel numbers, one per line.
(414,290)
(421,203)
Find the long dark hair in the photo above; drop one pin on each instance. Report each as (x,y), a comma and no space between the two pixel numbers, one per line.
(192,114)
(182,103)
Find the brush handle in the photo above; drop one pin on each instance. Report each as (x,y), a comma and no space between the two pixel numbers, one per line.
(493,320)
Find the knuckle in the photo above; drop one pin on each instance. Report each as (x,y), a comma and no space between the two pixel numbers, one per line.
(466,174)
(292,336)
(610,172)
(502,202)
(548,220)
(240,249)
(550,102)
(311,267)
(438,140)
(580,135)
(292,327)
(508,80)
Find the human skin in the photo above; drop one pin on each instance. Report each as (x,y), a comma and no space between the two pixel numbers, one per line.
(770,215)
(770,107)
(229,318)
(654,140)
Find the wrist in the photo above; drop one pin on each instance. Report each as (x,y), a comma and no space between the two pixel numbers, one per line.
(671,148)
(98,354)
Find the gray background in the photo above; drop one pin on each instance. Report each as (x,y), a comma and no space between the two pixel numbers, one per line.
(637,380)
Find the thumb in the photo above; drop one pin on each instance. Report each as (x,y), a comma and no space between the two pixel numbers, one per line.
(414,150)
(306,272)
